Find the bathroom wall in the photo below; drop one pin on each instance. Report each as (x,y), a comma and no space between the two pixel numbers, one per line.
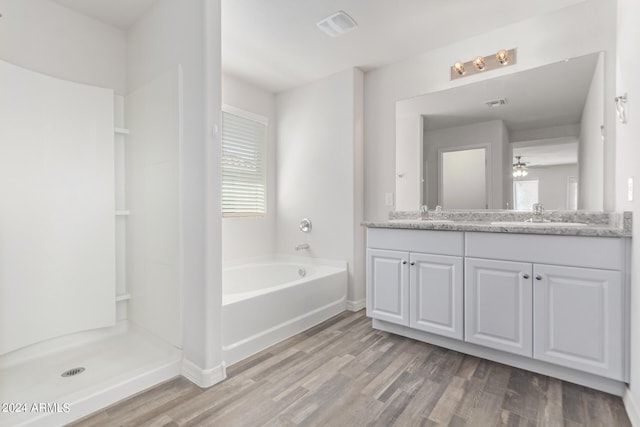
(590,149)
(187,34)
(252,236)
(318,170)
(587,27)
(36,34)
(628,153)
(552,184)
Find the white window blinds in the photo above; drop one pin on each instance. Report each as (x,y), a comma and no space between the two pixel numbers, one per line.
(243,163)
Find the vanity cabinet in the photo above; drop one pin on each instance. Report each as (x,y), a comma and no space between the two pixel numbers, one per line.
(544,302)
(557,308)
(416,288)
(498,305)
(578,318)
(388,286)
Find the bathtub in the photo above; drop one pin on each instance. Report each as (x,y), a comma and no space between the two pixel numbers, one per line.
(267,300)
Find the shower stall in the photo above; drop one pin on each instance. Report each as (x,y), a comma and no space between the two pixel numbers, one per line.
(93,148)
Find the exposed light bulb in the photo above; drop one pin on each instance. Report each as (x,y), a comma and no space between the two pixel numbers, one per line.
(459,67)
(479,63)
(503,57)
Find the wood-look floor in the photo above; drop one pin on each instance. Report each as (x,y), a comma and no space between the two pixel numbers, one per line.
(344,373)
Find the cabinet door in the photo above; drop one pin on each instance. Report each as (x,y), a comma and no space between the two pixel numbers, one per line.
(388,286)
(436,288)
(498,298)
(578,319)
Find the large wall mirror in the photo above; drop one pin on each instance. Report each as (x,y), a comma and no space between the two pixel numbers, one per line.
(457,147)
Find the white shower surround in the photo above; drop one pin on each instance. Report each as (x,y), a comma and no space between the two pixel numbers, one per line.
(266,300)
(57,221)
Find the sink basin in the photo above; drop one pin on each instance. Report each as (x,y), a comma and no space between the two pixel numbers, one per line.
(421,221)
(539,224)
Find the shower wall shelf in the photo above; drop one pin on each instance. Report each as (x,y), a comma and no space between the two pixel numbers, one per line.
(123,297)
(121,131)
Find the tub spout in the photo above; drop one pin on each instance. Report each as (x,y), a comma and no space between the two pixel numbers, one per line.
(302,246)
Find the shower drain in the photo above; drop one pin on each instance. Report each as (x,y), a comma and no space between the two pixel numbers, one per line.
(72,372)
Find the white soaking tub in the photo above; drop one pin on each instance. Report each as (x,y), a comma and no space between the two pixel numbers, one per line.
(267,300)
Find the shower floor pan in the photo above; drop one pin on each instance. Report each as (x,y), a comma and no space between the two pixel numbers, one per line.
(115,366)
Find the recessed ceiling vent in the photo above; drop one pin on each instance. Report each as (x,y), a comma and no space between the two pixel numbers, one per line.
(496,102)
(337,24)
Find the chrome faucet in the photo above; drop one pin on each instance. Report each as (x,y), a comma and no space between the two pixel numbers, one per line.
(538,213)
(302,246)
(424,212)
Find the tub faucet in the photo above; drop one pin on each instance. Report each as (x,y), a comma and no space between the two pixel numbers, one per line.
(302,246)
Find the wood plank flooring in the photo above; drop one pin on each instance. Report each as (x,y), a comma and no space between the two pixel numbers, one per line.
(344,373)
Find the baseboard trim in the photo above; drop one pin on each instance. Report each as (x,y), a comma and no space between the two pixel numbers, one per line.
(203,378)
(356,305)
(632,409)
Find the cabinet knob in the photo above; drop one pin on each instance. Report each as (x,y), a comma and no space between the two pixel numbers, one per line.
(404,262)
(525,276)
(538,277)
(413,263)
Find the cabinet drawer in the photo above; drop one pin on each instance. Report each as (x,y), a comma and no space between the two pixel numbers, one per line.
(425,241)
(577,251)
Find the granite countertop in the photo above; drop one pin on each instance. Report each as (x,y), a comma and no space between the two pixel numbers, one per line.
(599,224)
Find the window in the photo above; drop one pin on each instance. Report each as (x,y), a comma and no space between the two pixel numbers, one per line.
(243,163)
(525,194)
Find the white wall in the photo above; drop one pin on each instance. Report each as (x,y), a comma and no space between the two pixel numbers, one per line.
(590,147)
(173,33)
(317,177)
(250,237)
(43,36)
(627,165)
(577,30)
(491,134)
(552,184)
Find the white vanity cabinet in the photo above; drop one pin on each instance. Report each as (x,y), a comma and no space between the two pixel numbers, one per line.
(578,318)
(541,296)
(498,305)
(415,279)
(388,285)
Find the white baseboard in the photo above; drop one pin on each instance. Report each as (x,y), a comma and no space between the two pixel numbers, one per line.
(632,409)
(356,305)
(203,378)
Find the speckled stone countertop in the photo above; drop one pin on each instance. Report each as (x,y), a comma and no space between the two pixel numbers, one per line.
(599,224)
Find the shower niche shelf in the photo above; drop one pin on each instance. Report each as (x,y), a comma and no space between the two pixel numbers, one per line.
(123,297)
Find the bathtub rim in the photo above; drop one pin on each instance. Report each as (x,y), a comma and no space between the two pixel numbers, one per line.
(325,268)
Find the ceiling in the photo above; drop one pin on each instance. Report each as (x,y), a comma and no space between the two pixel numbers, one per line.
(118,13)
(275,44)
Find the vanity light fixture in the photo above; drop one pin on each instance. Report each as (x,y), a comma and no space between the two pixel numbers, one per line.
(459,68)
(484,63)
(503,57)
(519,168)
(479,63)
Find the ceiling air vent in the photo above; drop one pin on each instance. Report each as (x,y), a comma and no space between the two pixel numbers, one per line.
(496,102)
(337,24)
